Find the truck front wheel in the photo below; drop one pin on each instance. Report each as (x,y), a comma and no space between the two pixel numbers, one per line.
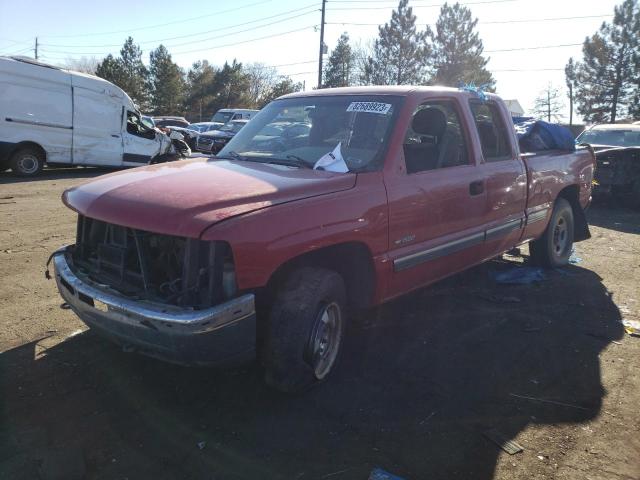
(553,249)
(305,329)
(27,162)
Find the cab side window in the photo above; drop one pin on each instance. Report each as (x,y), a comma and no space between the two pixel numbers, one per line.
(491,131)
(435,138)
(136,127)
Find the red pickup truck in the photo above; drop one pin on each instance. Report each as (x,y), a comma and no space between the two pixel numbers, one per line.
(266,249)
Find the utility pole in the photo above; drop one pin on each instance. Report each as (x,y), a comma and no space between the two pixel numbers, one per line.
(324,4)
(36,49)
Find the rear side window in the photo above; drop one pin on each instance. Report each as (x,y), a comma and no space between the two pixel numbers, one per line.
(491,131)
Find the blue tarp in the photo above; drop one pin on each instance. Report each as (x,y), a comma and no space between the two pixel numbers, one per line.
(537,135)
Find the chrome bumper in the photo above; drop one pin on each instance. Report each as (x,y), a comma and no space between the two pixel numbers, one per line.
(220,334)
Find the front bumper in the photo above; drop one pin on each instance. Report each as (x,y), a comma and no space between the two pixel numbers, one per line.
(222,334)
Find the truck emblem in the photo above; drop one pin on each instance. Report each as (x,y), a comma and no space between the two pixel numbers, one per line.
(407,239)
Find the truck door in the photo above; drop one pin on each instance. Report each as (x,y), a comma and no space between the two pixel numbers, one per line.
(504,176)
(437,203)
(141,143)
(97,138)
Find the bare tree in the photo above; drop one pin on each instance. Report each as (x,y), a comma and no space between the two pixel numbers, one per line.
(549,104)
(82,64)
(361,53)
(262,79)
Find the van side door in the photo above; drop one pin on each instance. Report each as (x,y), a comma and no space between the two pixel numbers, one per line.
(97,117)
(141,144)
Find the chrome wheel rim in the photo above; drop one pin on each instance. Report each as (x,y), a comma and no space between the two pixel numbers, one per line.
(560,236)
(325,339)
(28,164)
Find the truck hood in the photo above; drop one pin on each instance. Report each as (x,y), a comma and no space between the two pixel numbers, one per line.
(184,198)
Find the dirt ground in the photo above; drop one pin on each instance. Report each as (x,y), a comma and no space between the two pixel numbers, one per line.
(547,365)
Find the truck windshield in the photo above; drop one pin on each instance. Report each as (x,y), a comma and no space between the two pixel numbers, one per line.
(353,129)
(223,117)
(614,138)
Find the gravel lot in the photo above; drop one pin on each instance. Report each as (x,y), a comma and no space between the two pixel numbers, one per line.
(548,366)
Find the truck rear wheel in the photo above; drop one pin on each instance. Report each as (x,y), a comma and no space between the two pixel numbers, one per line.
(305,329)
(553,249)
(27,162)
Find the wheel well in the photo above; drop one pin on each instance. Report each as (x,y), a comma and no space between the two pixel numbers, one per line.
(580,224)
(352,260)
(27,144)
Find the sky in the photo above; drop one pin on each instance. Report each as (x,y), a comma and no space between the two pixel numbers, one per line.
(286,34)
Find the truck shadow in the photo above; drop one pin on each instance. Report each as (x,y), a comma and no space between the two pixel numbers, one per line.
(55,174)
(420,382)
(623,220)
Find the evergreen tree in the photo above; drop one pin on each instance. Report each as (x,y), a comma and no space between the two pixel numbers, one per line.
(549,104)
(200,80)
(136,75)
(339,69)
(607,80)
(457,49)
(167,83)
(230,87)
(111,70)
(283,87)
(400,52)
(127,72)
(572,82)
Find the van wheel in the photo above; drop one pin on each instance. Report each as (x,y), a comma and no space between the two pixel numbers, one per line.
(553,249)
(27,162)
(305,330)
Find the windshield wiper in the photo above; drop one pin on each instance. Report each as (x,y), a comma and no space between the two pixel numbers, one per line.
(232,156)
(299,161)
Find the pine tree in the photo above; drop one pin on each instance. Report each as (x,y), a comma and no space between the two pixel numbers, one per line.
(111,70)
(607,80)
(167,83)
(127,72)
(549,104)
(283,87)
(230,87)
(200,80)
(400,52)
(572,82)
(339,69)
(457,49)
(136,75)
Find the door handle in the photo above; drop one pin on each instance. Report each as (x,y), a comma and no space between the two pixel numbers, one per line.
(115,136)
(476,188)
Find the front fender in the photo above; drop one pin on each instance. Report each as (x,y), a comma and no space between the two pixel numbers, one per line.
(265,239)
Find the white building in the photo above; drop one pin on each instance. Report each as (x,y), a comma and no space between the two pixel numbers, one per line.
(515,108)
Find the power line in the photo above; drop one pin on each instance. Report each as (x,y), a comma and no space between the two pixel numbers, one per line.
(496,22)
(129,30)
(209,48)
(413,5)
(533,48)
(162,40)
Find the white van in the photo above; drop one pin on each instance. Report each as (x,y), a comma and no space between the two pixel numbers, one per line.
(225,115)
(55,116)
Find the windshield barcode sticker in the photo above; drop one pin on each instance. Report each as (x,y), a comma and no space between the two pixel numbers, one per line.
(369,107)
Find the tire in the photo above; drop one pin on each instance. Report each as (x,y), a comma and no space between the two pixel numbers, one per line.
(27,162)
(305,330)
(554,248)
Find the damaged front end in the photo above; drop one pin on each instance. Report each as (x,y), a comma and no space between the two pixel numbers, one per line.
(618,173)
(170,297)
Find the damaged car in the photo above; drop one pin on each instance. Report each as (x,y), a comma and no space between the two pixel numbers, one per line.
(65,118)
(617,148)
